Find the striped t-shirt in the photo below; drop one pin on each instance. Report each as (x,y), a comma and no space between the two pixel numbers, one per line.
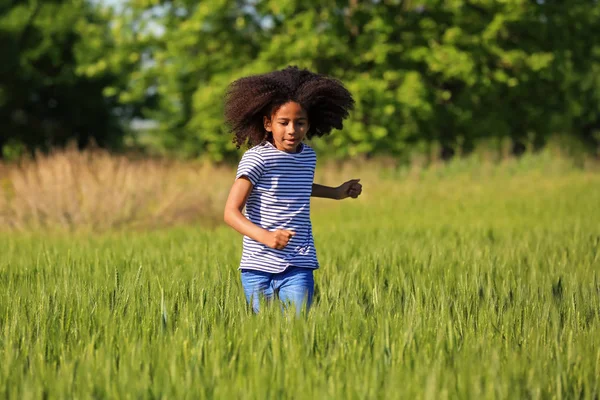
(280,199)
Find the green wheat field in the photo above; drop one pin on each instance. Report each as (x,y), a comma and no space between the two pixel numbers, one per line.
(444,284)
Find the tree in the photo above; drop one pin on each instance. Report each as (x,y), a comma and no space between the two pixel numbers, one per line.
(44,100)
(453,73)
(176,58)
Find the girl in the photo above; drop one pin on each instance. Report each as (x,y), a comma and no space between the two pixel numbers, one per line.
(274,112)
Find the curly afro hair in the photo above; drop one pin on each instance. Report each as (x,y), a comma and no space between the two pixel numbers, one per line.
(326,101)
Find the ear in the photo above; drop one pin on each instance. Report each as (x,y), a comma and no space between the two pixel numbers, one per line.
(267,124)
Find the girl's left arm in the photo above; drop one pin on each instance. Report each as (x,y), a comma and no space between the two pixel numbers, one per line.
(352,188)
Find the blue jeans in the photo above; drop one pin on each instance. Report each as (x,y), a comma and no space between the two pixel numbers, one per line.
(294,285)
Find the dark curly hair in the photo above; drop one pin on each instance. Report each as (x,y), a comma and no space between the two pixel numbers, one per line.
(326,101)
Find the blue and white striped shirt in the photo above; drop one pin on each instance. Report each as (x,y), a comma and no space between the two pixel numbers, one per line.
(280,199)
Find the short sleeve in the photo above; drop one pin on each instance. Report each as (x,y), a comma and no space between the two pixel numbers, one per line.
(252,166)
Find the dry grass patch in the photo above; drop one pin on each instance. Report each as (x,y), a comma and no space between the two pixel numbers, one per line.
(96,190)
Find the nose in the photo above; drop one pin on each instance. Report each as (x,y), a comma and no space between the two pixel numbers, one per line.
(290,128)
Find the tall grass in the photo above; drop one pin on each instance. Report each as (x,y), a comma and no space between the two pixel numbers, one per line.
(464,281)
(94,190)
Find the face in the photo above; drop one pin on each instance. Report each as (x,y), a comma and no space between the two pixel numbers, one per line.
(289,125)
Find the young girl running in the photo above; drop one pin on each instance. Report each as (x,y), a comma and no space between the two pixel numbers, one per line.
(273,113)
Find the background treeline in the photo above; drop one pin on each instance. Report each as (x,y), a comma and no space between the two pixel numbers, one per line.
(428,75)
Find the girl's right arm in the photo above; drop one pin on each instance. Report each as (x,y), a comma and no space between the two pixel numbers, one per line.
(233,217)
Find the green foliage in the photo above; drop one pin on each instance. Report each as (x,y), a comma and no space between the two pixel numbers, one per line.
(451,72)
(437,71)
(44,100)
(487,289)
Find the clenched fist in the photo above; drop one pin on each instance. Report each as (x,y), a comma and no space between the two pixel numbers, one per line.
(279,239)
(352,188)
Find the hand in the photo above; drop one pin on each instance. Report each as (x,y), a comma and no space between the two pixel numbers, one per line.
(279,239)
(350,189)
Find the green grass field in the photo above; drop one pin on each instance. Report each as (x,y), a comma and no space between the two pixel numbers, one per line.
(444,285)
